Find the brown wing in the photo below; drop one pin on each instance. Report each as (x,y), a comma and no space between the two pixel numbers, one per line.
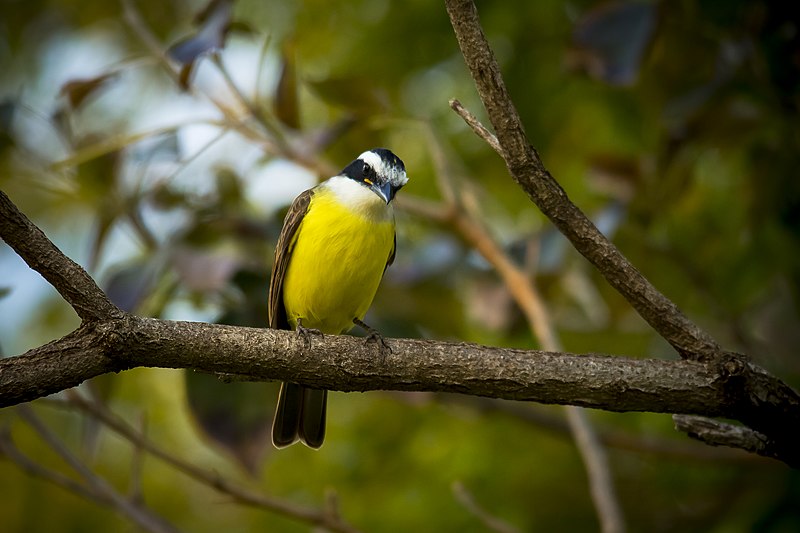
(283,252)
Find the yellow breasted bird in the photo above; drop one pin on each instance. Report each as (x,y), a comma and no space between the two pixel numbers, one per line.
(336,242)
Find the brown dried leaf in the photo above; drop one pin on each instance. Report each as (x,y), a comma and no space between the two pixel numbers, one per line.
(77,91)
(285,104)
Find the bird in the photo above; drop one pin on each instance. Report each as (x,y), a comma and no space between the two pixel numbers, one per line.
(337,240)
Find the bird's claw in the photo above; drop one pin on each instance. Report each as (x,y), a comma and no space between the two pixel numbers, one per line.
(306,333)
(383,347)
(374,336)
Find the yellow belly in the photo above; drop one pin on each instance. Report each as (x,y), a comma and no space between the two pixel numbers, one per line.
(336,266)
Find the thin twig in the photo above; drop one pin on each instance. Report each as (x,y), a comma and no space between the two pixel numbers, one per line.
(143,517)
(114,143)
(137,463)
(718,433)
(255,112)
(444,177)
(135,21)
(479,129)
(467,500)
(595,460)
(10,451)
(543,418)
(214,480)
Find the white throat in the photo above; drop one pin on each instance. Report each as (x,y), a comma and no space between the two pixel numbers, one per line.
(358,198)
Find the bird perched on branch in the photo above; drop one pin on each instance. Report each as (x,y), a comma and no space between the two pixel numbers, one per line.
(336,242)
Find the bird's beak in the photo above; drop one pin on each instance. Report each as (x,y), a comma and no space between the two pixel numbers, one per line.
(385,191)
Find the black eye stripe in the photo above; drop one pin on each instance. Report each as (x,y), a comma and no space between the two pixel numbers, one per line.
(385,168)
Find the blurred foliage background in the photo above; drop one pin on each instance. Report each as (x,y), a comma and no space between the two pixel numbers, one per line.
(673,124)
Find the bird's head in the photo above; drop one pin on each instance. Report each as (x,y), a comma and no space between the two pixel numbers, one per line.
(379,170)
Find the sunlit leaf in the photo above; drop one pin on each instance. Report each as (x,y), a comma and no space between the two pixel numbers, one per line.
(610,41)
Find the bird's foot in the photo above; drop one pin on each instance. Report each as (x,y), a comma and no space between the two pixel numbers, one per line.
(374,336)
(306,333)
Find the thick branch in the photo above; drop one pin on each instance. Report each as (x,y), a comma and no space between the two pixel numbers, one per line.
(526,168)
(348,364)
(68,278)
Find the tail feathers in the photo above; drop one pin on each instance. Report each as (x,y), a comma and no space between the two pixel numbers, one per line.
(300,415)
(312,421)
(286,426)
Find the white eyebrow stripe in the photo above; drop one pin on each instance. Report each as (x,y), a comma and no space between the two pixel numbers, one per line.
(373,160)
(393,175)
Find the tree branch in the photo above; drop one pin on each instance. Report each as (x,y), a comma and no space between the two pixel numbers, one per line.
(718,433)
(348,364)
(527,170)
(728,388)
(66,276)
(97,486)
(595,459)
(544,418)
(467,500)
